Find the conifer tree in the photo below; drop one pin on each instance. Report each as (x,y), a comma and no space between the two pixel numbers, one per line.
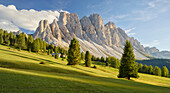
(128,66)
(1,36)
(48,52)
(145,69)
(140,66)
(21,41)
(44,46)
(88,59)
(56,55)
(74,55)
(36,45)
(82,56)
(150,69)
(5,37)
(30,42)
(165,71)
(102,59)
(157,71)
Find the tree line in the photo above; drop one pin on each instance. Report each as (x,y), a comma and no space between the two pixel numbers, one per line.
(26,42)
(164,72)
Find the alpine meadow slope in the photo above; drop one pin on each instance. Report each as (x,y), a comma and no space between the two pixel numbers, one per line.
(57,76)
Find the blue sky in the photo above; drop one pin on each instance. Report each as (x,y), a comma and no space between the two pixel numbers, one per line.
(146,20)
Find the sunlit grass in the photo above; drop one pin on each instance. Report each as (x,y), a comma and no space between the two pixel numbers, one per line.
(20,71)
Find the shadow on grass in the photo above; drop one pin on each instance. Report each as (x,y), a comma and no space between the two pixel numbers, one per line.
(38,67)
(30,57)
(83,84)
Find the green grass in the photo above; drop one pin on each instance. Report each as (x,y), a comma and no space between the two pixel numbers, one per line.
(20,72)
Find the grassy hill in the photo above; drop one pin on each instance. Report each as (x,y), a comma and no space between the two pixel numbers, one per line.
(20,71)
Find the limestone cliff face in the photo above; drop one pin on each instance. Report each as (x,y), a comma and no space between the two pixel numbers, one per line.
(93,35)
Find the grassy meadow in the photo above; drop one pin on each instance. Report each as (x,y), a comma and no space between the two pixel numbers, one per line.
(21,72)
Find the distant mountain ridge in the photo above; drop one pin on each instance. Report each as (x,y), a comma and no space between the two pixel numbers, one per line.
(93,35)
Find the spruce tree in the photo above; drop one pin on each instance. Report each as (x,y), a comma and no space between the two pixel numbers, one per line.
(150,69)
(140,65)
(21,41)
(36,45)
(102,59)
(82,56)
(165,71)
(128,66)
(145,69)
(56,55)
(157,71)
(30,42)
(1,36)
(44,46)
(88,59)
(74,55)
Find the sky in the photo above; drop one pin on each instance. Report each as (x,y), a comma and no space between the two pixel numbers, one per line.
(148,21)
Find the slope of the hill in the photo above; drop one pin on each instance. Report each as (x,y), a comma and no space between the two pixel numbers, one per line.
(20,71)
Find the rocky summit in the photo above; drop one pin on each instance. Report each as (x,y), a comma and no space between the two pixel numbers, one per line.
(93,35)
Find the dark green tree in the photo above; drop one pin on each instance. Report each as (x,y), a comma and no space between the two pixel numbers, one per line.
(128,66)
(82,56)
(88,59)
(157,71)
(74,55)
(150,69)
(140,66)
(1,36)
(49,52)
(145,69)
(115,62)
(6,37)
(102,59)
(165,71)
(44,46)
(21,41)
(12,38)
(36,45)
(30,42)
(56,56)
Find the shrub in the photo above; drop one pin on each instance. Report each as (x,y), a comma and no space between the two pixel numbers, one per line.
(42,62)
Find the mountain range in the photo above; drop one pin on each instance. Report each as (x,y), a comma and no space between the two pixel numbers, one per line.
(93,35)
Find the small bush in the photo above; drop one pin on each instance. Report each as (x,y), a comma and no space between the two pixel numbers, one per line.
(62,59)
(42,62)
(94,66)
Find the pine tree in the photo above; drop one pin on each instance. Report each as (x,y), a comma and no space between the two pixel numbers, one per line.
(36,45)
(48,52)
(102,59)
(150,69)
(140,66)
(88,59)
(165,71)
(21,41)
(74,55)
(1,36)
(145,69)
(115,62)
(30,42)
(108,61)
(5,37)
(82,56)
(44,46)
(157,71)
(128,66)
(56,55)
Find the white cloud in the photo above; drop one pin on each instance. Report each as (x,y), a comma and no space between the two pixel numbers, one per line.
(129,33)
(152,44)
(12,19)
